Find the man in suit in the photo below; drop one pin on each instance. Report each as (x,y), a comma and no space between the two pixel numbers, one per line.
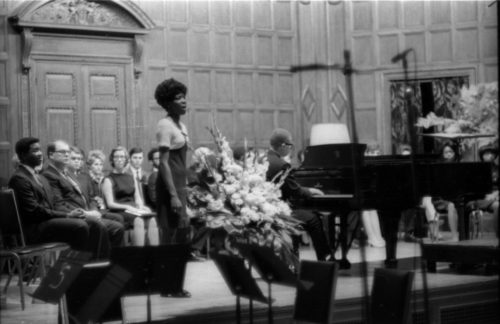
(42,222)
(135,169)
(104,233)
(281,146)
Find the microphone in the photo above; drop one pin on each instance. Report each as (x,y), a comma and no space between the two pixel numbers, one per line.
(398,57)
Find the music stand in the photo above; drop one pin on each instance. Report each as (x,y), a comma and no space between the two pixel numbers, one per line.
(59,278)
(94,296)
(155,269)
(239,280)
(271,269)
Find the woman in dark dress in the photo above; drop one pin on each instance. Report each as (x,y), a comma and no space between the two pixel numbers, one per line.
(434,205)
(171,184)
(120,195)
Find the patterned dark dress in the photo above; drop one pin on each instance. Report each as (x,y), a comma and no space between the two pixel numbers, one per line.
(174,225)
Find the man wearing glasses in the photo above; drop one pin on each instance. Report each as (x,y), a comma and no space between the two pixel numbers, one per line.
(281,147)
(42,222)
(103,233)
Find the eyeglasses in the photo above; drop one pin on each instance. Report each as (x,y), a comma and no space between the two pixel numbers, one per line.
(63,151)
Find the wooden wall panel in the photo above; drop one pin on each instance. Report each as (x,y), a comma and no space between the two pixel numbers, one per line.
(440,12)
(413,13)
(3,79)
(201,119)
(490,45)
(223,87)
(362,16)
(265,88)
(244,88)
(265,53)
(105,129)
(246,126)
(467,44)
(60,123)
(221,13)
(242,13)
(4,124)
(415,40)
(388,14)
(388,45)
(465,11)
(441,46)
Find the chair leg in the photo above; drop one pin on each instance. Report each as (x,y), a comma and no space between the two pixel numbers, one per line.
(20,272)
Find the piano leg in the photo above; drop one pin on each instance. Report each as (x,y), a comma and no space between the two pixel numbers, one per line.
(349,223)
(390,224)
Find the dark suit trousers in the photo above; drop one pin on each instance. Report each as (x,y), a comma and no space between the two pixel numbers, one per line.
(313,226)
(93,235)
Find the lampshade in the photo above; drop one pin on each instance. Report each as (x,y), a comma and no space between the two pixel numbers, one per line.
(329,134)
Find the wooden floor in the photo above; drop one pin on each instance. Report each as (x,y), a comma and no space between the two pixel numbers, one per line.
(210,295)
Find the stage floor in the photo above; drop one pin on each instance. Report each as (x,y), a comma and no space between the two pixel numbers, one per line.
(211,295)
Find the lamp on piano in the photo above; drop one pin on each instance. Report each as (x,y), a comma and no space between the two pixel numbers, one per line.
(329,134)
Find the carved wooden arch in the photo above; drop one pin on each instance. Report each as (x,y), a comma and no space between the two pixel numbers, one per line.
(110,17)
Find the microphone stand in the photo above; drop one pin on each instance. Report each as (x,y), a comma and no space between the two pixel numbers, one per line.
(413,144)
(348,70)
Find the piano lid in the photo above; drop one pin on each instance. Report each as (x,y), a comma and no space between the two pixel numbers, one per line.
(330,156)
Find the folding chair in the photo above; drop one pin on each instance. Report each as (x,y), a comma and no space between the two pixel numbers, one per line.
(16,250)
(316,292)
(391,295)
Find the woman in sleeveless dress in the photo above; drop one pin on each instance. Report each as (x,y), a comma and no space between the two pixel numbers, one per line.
(120,195)
(171,183)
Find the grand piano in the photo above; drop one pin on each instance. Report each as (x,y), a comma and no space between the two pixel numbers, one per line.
(353,182)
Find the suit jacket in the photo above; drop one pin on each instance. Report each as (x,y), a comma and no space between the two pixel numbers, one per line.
(290,188)
(35,201)
(151,192)
(143,181)
(67,196)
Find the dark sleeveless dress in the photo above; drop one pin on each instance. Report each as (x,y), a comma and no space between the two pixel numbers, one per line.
(123,191)
(166,216)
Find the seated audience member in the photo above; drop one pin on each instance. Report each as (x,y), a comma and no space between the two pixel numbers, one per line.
(76,163)
(154,158)
(433,205)
(42,221)
(69,196)
(281,146)
(136,157)
(370,218)
(90,183)
(121,196)
(488,153)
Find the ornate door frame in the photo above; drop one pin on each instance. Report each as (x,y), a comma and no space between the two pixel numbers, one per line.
(52,28)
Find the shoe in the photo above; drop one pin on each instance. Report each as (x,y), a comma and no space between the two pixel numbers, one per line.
(195,256)
(181,294)
(377,244)
(410,238)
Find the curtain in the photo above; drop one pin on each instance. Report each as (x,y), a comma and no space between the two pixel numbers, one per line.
(399,114)
(446,95)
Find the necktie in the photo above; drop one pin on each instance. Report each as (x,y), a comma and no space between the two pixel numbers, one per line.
(76,187)
(139,184)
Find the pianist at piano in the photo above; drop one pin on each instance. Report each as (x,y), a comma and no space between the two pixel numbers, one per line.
(281,145)
(489,203)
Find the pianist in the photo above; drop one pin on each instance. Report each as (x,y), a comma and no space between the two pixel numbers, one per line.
(488,153)
(281,147)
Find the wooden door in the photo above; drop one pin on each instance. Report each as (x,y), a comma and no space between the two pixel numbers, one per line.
(83,103)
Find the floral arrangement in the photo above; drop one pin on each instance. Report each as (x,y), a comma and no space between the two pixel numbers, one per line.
(477,112)
(235,195)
